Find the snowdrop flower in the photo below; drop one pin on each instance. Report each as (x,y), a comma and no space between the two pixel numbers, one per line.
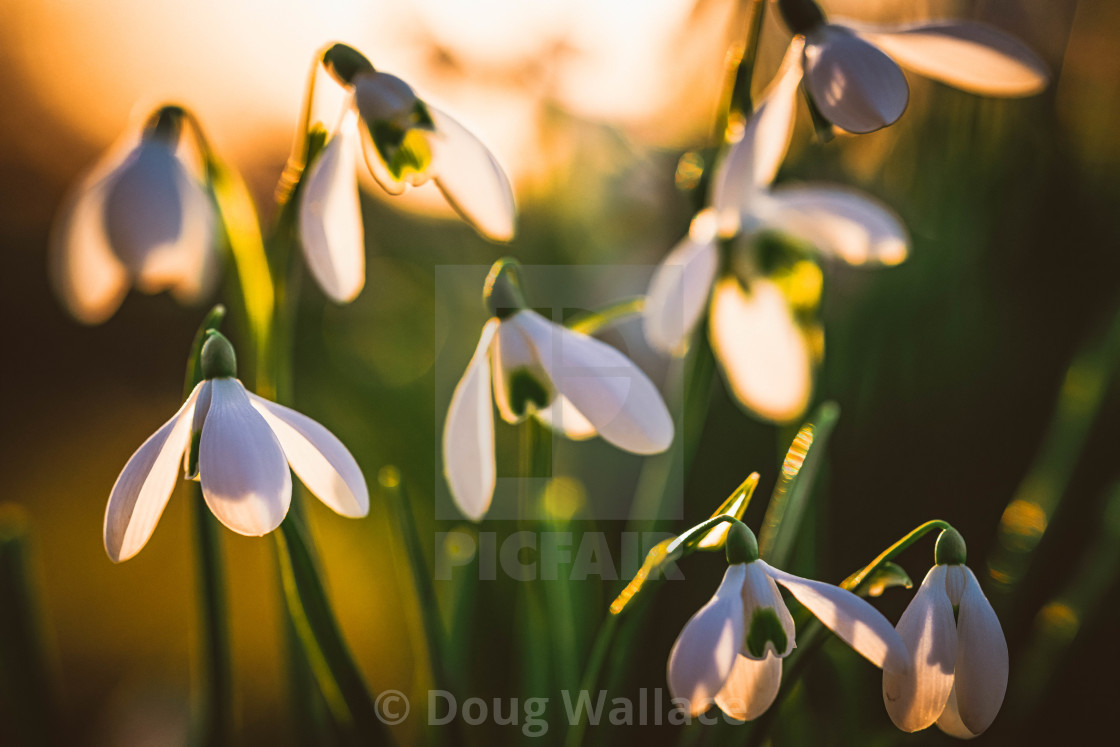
(762,310)
(852,70)
(958,675)
(140,217)
(573,383)
(244,452)
(406,142)
(731,651)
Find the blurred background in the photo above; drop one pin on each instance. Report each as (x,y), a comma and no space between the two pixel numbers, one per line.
(952,371)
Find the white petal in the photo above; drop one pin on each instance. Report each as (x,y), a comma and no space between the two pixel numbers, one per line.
(982,665)
(766,358)
(839,222)
(141,491)
(471,179)
(851,618)
(245,477)
(603,384)
(512,356)
(971,56)
(950,720)
(750,688)
(377,167)
(317,456)
(563,417)
(704,653)
(197,258)
(679,289)
(330,217)
(915,699)
(855,86)
(87,276)
(753,160)
(761,593)
(468,434)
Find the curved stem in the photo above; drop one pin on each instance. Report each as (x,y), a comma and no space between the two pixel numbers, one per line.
(607,316)
(852,582)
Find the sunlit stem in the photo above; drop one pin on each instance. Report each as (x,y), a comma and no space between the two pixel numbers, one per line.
(737,103)
(339,679)
(298,158)
(214,716)
(852,582)
(25,679)
(539,651)
(607,316)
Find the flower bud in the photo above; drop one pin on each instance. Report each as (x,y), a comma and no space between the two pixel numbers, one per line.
(950,548)
(502,292)
(742,546)
(344,63)
(218,359)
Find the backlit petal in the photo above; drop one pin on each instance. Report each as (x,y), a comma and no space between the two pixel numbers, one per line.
(851,618)
(916,699)
(760,595)
(468,434)
(766,358)
(750,688)
(950,720)
(603,384)
(330,217)
(971,56)
(244,474)
(563,417)
(705,652)
(317,456)
(681,285)
(141,491)
(982,665)
(854,85)
(839,222)
(471,179)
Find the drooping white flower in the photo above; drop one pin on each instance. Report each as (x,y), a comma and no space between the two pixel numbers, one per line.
(406,142)
(246,447)
(731,651)
(765,344)
(573,383)
(958,675)
(852,70)
(140,217)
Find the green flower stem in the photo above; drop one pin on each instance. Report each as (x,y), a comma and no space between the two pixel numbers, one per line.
(607,316)
(587,683)
(737,96)
(334,669)
(852,583)
(214,711)
(26,687)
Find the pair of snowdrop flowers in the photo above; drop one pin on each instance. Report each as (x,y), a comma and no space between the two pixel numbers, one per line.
(573,383)
(245,447)
(761,314)
(945,662)
(731,651)
(958,673)
(406,142)
(141,216)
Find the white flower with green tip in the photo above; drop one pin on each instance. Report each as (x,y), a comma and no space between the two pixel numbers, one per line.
(730,652)
(958,675)
(575,384)
(246,446)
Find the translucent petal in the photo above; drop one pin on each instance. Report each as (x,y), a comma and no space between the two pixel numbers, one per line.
(377,168)
(516,367)
(760,593)
(854,85)
(196,255)
(750,688)
(705,652)
(971,56)
(766,358)
(317,456)
(563,417)
(915,699)
(753,160)
(471,179)
(141,491)
(851,618)
(330,217)
(244,474)
(839,222)
(950,720)
(383,97)
(468,434)
(87,276)
(680,287)
(982,665)
(603,384)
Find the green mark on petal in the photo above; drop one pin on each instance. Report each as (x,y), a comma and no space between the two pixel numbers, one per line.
(404,150)
(766,627)
(525,388)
